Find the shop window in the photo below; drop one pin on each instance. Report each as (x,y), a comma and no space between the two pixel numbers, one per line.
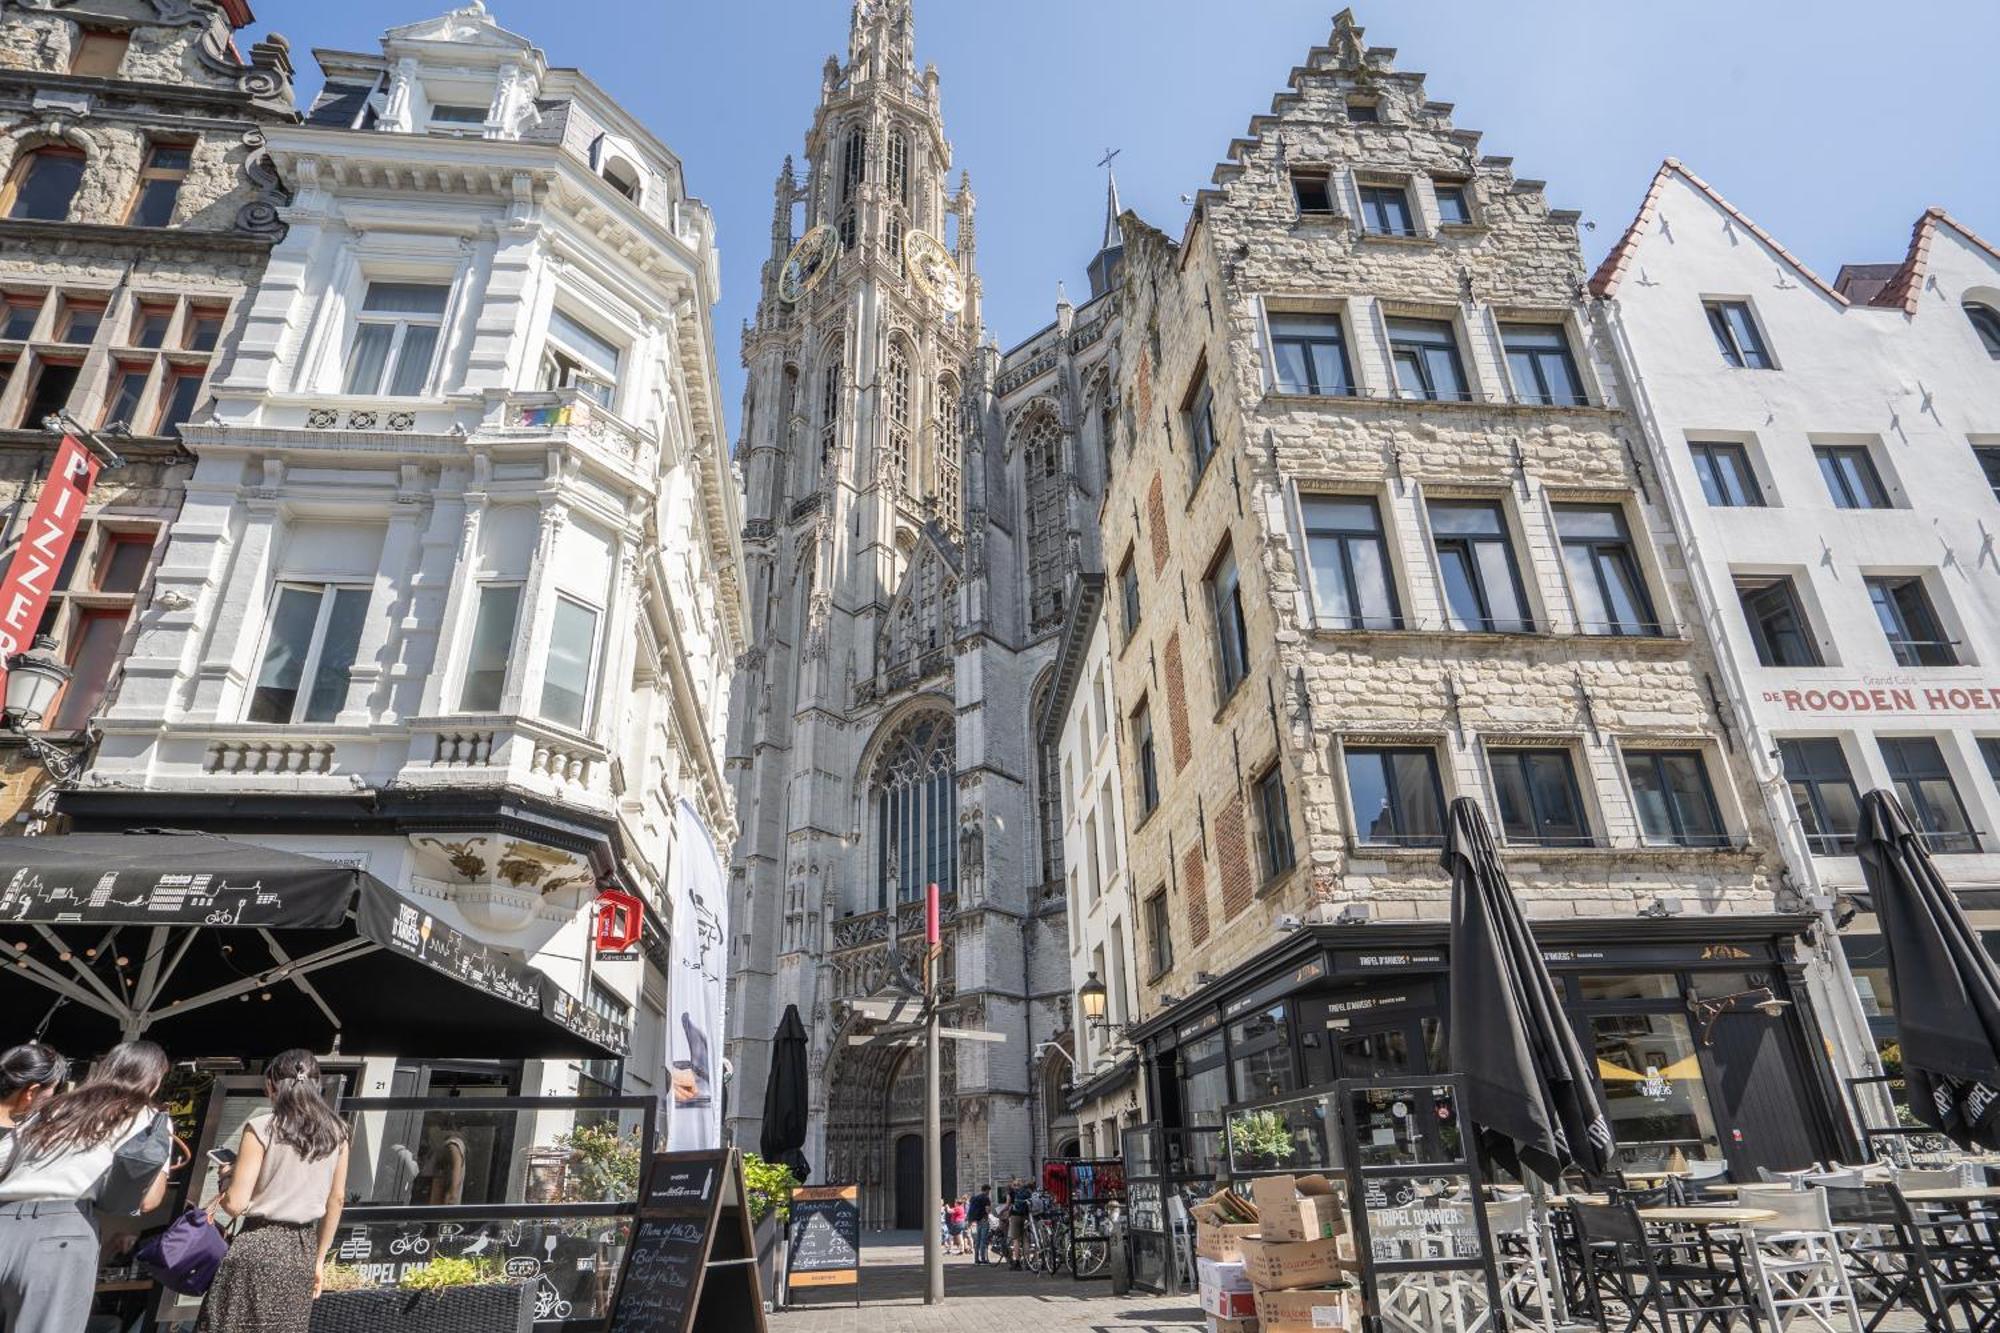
(42,183)
(1149,762)
(602,1077)
(1482,582)
(1823,793)
(150,324)
(566,691)
(1654,1089)
(1198,419)
(1128,593)
(128,390)
(1851,478)
(1397,798)
(1159,936)
(1922,780)
(160,178)
(1538,358)
(179,394)
(1232,631)
(1310,355)
(309,651)
(1676,804)
(1424,353)
(203,330)
(1260,1054)
(1352,583)
(396,338)
(1603,570)
(1986,323)
(1736,335)
(1778,626)
(1630,986)
(79,322)
(1274,824)
(1540,804)
(492,648)
(49,394)
(1385,211)
(1313,192)
(19,312)
(1727,479)
(574,357)
(98,52)
(1454,203)
(1903,608)
(1204,1082)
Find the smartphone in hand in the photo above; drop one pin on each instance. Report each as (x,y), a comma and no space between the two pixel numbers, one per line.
(223,1158)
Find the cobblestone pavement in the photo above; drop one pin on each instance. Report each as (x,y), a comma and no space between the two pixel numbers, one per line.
(979,1298)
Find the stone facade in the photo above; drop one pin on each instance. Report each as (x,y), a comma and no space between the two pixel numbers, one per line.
(115,318)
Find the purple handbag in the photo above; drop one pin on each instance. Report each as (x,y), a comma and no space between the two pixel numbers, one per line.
(185,1256)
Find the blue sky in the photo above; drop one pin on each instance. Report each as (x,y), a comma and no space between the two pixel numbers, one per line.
(1831,122)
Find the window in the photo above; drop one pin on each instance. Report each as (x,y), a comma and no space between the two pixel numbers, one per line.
(1654,1092)
(1198,416)
(1851,477)
(1385,210)
(79,322)
(621,178)
(308,653)
(1989,464)
(1314,192)
(1778,627)
(1398,800)
(1904,610)
(90,603)
(149,325)
(19,312)
(1727,479)
(98,52)
(1603,571)
(159,189)
(492,647)
(1539,802)
(93,652)
(897,397)
(1425,354)
(1823,793)
(1364,113)
(899,168)
(1539,360)
(602,1077)
(396,338)
(42,184)
(447,114)
(574,357)
(916,810)
(1736,335)
(572,652)
(1917,770)
(1454,204)
(1985,322)
(1310,353)
(180,392)
(829,408)
(203,329)
(1159,936)
(128,388)
(1232,633)
(1352,584)
(1128,594)
(1676,804)
(1482,584)
(1149,764)
(1989,750)
(1274,823)
(53,384)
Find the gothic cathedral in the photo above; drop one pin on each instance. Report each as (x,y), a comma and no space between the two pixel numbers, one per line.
(918,503)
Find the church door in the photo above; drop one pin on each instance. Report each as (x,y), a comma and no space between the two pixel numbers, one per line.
(910,1183)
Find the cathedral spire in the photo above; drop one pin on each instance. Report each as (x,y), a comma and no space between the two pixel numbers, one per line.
(1111,248)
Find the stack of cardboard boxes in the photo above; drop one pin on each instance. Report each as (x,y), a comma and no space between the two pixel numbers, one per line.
(1279,1262)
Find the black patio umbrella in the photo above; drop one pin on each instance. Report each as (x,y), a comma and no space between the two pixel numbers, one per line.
(785,1097)
(1529,1090)
(1946,986)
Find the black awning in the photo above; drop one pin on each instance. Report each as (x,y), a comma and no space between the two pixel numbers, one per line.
(219,948)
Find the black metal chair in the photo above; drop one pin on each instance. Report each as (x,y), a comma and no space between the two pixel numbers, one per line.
(1953,1262)
(1662,1286)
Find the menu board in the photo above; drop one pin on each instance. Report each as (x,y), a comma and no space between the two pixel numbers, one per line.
(1414,1219)
(691,1265)
(663,1272)
(825,1248)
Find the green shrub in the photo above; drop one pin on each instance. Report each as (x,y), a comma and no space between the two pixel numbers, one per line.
(603,1164)
(441,1273)
(769,1185)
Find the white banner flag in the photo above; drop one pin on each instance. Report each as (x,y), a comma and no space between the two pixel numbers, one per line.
(694,1020)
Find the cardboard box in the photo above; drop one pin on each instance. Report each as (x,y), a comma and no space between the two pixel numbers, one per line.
(1299,1207)
(1229,1304)
(1281,1265)
(1219,1240)
(1310,1311)
(1216,1325)
(1222,1275)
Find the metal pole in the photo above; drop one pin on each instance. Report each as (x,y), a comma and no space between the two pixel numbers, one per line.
(933,1135)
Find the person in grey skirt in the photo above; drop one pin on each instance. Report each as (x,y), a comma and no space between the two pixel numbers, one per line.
(64,1154)
(286,1185)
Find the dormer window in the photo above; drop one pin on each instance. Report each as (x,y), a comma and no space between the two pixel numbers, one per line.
(620,177)
(455,117)
(573,357)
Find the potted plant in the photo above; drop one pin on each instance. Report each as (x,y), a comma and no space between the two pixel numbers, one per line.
(1259,1135)
(769,1185)
(444,1296)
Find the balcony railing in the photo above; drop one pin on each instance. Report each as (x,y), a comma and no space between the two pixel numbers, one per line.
(576,415)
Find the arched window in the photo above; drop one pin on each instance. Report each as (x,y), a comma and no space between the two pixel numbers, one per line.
(899,416)
(916,811)
(853,150)
(620,176)
(899,168)
(42,183)
(893,234)
(1048,537)
(829,409)
(1986,321)
(949,427)
(1048,795)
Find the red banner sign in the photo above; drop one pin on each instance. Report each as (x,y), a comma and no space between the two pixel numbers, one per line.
(24,594)
(621,919)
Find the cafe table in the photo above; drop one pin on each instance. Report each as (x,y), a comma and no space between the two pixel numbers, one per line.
(1976,1194)
(1705,1215)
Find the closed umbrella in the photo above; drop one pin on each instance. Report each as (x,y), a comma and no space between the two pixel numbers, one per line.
(1528,1086)
(1946,986)
(785,1097)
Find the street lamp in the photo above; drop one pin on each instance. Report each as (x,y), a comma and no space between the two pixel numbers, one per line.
(34,679)
(1091,997)
(1708,1010)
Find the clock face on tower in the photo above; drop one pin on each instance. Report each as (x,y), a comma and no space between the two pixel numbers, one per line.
(931,267)
(810,260)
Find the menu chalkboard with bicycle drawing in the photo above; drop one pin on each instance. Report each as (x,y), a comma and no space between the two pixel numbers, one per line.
(690,1267)
(825,1247)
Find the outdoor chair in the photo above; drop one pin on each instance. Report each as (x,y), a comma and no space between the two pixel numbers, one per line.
(1770,1177)
(1796,1262)
(1654,1284)
(1522,1261)
(1865,1221)
(1954,1266)
(1927,1178)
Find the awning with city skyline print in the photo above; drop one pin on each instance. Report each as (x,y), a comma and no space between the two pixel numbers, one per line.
(216,948)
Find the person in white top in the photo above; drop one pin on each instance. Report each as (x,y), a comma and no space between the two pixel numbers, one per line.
(62,1157)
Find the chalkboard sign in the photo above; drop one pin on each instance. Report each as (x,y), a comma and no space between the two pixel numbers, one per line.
(690,1267)
(826,1237)
(683,1183)
(663,1275)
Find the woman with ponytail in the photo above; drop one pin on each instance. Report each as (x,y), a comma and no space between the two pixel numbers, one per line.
(29,1073)
(286,1184)
(66,1153)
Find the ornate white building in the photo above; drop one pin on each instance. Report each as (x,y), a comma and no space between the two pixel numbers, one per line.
(917,504)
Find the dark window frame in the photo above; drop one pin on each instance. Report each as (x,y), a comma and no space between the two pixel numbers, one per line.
(1344,538)
(1909,772)
(1297,334)
(1808,772)
(1520,757)
(1231,626)
(1277,855)
(1395,805)
(1130,606)
(1414,342)
(1159,934)
(1985,321)
(1146,746)
(1748,493)
(1539,360)
(1988,458)
(1738,336)
(1465,547)
(1623,552)
(1460,190)
(1378,200)
(1678,834)
(1913,629)
(1198,419)
(1771,590)
(1852,479)
(1318,183)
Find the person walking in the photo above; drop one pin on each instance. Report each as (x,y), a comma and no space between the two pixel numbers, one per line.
(1020,1203)
(285,1185)
(65,1154)
(954,1223)
(29,1074)
(979,1213)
